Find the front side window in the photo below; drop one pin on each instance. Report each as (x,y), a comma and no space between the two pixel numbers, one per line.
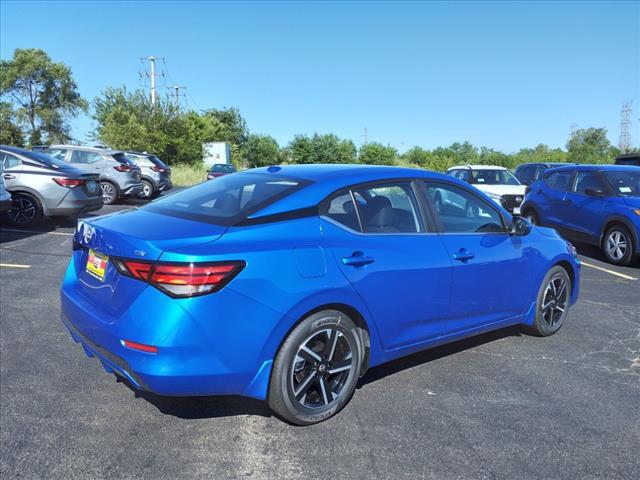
(83,156)
(228,200)
(390,208)
(459,211)
(587,180)
(624,183)
(559,180)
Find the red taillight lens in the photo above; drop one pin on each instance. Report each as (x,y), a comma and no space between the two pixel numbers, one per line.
(68,182)
(158,169)
(182,279)
(123,168)
(140,346)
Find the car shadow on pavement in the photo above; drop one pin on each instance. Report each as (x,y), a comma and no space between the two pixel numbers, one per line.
(191,408)
(595,253)
(425,356)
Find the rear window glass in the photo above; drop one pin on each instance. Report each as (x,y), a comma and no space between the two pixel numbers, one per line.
(228,200)
(122,158)
(223,168)
(45,159)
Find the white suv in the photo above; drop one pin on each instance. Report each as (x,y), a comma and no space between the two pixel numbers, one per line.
(498,183)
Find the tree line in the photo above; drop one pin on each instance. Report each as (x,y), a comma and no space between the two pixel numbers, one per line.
(39,98)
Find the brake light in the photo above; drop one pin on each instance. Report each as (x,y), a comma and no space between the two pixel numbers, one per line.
(182,279)
(139,346)
(68,182)
(123,168)
(158,169)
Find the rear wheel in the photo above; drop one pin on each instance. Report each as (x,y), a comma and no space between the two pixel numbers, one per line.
(109,193)
(317,368)
(617,245)
(25,209)
(553,302)
(147,189)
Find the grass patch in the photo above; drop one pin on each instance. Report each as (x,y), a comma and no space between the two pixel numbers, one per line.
(187,175)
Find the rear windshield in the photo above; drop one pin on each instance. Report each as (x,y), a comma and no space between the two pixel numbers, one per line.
(228,200)
(224,168)
(625,183)
(122,158)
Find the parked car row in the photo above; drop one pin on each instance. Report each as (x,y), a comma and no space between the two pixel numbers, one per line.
(67,180)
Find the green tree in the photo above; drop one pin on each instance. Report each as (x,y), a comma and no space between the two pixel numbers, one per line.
(541,153)
(418,156)
(261,151)
(377,154)
(10,132)
(321,149)
(44,92)
(589,145)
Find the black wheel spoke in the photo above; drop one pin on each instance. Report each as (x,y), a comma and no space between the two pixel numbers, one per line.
(304,385)
(331,344)
(309,354)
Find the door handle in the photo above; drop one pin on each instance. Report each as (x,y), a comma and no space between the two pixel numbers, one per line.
(357,259)
(8,176)
(464,255)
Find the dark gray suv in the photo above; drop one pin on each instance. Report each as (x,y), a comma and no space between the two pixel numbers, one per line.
(156,175)
(119,176)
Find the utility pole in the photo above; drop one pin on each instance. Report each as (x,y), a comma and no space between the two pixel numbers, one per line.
(177,93)
(152,78)
(624,142)
(365,136)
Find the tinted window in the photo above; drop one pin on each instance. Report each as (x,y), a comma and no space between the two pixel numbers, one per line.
(228,200)
(10,161)
(539,171)
(526,173)
(122,158)
(626,183)
(559,180)
(140,160)
(494,177)
(460,211)
(83,156)
(222,168)
(388,209)
(585,180)
(341,209)
(57,153)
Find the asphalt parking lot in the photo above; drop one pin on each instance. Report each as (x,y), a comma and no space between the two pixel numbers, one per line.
(503,405)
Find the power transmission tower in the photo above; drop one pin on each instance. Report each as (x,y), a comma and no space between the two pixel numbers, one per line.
(177,93)
(624,142)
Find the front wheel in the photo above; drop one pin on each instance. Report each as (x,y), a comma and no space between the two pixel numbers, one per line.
(552,303)
(617,245)
(317,368)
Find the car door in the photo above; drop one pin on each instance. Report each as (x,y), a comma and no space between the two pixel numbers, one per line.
(394,261)
(12,170)
(551,192)
(490,267)
(584,213)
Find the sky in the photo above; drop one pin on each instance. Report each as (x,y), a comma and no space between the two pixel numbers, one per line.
(505,75)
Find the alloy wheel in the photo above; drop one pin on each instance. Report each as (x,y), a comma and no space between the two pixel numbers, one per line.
(555,300)
(321,368)
(146,190)
(617,245)
(23,210)
(108,192)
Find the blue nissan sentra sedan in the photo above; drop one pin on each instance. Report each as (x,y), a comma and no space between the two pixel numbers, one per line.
(287,283)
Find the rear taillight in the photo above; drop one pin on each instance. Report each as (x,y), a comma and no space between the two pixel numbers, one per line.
(181,279)
(159,169)
(123,168)
(68,182)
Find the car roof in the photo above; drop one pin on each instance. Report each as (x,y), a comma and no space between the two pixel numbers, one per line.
(596,168)
(628,155)
(18,150)
(84,147)
(478,167)
(548,164)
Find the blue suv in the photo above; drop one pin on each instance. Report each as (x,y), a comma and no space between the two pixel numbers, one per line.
(594,204)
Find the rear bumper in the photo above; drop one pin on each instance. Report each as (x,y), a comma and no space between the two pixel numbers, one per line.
(189,361)
(132,190)
(70,206)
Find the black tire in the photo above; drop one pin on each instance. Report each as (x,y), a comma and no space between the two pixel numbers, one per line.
(531,216)
(552,303)
(25,209)
(617,245)
(334,343)
(109,192)
(148,191)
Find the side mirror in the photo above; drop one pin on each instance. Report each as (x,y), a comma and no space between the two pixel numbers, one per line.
(594,192)
(520,226)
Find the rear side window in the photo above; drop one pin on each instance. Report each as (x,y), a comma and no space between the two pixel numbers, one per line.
(228,200)
(9,161)
(57,153)
(559,180)
(526,173)
(341,209)
(86,157)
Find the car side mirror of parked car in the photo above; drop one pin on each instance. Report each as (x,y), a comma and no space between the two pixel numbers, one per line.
(594,192)
(520,226)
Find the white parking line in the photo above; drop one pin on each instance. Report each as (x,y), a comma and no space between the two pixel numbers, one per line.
(617,274)
(35,232)
(14,265)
